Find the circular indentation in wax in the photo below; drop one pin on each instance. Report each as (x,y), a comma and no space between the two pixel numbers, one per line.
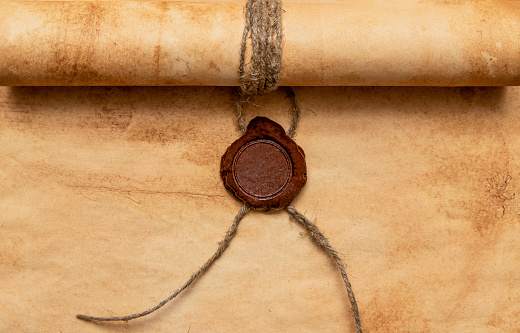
(262,168)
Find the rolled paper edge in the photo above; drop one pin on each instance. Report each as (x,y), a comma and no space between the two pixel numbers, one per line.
(362,43)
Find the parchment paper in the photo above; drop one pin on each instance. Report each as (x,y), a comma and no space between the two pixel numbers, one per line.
(354,43)
(110,199)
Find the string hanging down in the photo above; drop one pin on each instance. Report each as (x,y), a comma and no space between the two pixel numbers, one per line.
(222,247)
(322,241)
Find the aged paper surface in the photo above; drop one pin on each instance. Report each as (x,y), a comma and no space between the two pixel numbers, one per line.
(111,198)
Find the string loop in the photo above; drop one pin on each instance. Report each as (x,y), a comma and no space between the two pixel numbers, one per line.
(291,132)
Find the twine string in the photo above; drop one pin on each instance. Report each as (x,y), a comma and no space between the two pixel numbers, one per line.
(240,115)
(322,241)
(264,28)
(291,132)
(222,247)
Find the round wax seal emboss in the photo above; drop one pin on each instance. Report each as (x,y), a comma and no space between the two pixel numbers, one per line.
(264,168)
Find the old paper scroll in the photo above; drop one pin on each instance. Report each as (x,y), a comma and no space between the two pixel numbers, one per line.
(358,42)
(111,198)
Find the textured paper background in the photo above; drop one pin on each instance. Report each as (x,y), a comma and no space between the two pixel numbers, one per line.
(111,198)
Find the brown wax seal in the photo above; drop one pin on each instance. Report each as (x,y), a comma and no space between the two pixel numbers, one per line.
(264,168)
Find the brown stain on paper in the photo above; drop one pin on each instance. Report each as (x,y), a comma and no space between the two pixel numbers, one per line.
(73,62)
(494,204)
(395,309)
(11,253)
